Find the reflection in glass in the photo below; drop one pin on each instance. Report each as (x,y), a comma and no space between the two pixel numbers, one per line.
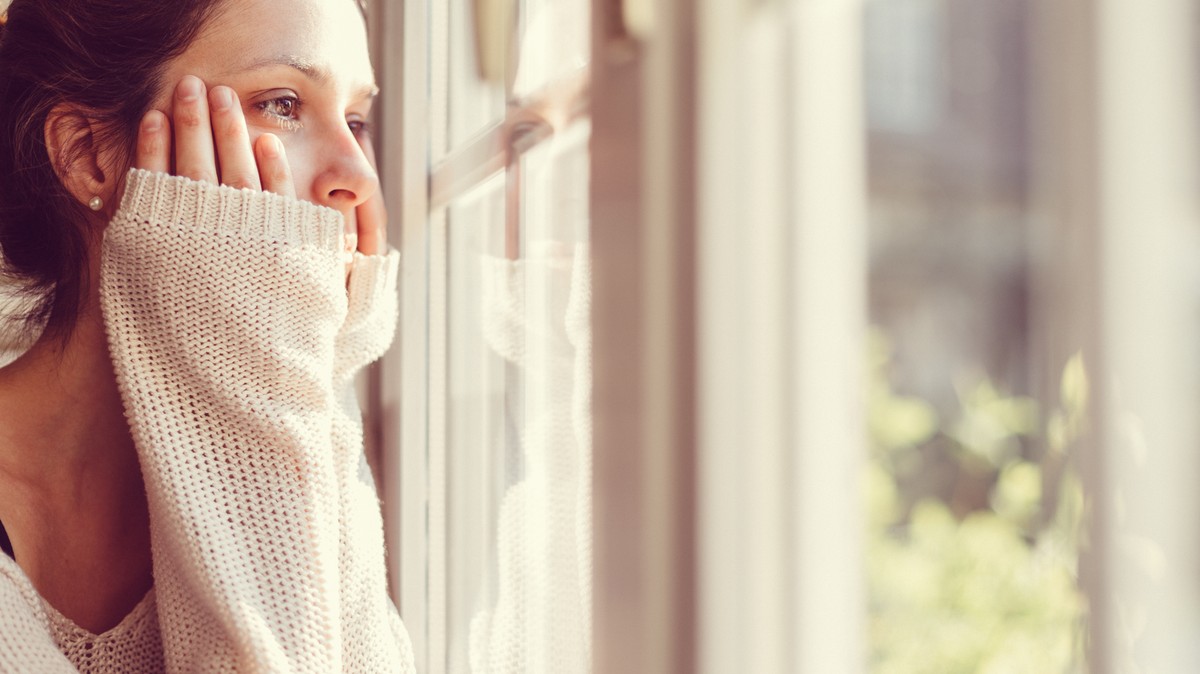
(519,465)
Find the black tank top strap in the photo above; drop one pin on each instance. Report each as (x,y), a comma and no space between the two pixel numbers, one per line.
(5,544)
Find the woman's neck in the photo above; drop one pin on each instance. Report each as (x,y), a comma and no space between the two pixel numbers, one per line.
(71,492)
(64,432)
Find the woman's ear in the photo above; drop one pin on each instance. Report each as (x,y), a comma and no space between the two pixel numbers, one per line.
(76,155)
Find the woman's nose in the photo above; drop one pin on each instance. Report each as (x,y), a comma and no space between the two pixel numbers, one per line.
(346,179)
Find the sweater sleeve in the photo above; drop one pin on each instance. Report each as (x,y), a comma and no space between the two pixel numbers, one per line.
(367,613)
(226,313)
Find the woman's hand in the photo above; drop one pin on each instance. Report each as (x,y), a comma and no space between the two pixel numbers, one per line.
(207,140)
(211,142)
(372,215)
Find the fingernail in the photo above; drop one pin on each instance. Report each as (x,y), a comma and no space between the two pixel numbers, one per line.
(152,122)
(271,148)
(222,98)
(189,88)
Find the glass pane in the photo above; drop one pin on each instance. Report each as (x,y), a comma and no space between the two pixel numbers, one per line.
(555,199)
(974,509)
(474,104)
(519,465)
(555,42)
(481,454)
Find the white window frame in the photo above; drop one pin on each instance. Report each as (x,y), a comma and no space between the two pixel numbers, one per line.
(399,34)
(1119,167)
(729,337)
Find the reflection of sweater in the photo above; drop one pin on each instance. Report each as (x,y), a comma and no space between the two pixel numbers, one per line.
(536,315)
(236,343)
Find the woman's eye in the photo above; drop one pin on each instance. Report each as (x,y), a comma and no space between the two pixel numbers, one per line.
(283,109)
(360,128)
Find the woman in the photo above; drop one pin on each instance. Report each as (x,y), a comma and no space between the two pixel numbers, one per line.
(182,485)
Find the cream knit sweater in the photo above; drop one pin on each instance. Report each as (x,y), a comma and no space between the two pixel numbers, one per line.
(236,342)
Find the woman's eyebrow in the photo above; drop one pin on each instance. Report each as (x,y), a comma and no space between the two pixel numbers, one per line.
(311,70)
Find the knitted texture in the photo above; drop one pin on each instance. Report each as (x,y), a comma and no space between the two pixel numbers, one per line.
(14,339)
(536,315)
(236,342)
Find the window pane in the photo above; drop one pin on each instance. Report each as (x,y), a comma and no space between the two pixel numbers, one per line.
(519,455)
(555,199)
(474,104)
(555,42)
(481,454)
(974,509)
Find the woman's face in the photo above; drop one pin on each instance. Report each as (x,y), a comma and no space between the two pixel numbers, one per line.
(302,72)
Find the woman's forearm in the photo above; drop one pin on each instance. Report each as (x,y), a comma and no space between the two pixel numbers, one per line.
(222,309)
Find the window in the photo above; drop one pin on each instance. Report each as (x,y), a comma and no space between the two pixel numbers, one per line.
(944,249)
(503,321)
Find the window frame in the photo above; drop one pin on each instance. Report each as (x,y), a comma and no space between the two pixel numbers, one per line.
(398,411)
(406,395)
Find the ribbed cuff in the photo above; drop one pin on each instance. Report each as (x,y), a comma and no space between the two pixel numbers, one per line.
(158,199)
(372,279)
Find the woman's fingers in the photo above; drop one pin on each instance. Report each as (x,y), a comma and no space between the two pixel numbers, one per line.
(209,126)
(273,166)
(235,158)
(154,143)
(194,154)
(372,225)
(372,215)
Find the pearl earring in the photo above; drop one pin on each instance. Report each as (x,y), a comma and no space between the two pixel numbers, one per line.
(96,203)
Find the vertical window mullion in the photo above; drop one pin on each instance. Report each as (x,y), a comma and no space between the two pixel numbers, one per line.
(1117,114)
(436,353)
(829,321)
(401,36)
(438,444)
(643,242)
(782,321)
(1150,232)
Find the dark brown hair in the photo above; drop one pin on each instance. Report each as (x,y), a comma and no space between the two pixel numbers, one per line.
(104,57)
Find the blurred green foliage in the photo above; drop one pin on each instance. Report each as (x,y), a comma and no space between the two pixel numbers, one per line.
(966,582)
